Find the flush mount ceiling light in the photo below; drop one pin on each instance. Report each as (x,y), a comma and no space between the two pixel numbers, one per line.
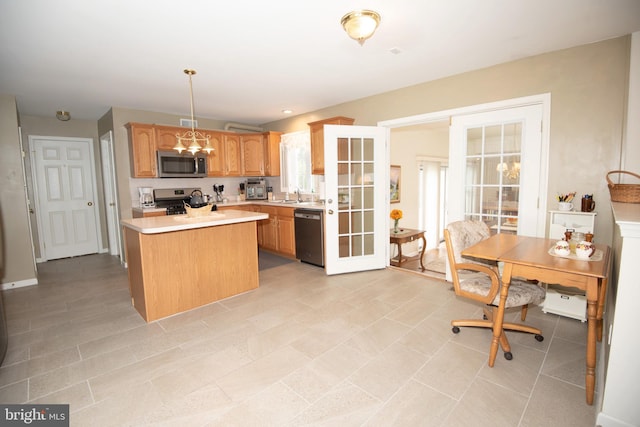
(360,24)
(196,140)
(63,116)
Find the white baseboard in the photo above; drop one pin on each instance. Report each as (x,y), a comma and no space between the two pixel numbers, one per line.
(19,284)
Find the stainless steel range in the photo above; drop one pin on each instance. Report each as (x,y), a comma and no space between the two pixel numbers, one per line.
(173,199)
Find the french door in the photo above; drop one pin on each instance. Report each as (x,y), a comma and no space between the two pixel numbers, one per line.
(357,198)
(497,172)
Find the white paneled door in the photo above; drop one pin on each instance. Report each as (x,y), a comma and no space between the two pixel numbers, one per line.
(65,187)
(498,170)
(357,198)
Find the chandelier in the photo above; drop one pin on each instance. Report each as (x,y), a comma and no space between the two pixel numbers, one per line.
(511,172)
(196,140)
(360,24)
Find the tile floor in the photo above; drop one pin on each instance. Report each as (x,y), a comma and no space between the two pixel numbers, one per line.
(362,349)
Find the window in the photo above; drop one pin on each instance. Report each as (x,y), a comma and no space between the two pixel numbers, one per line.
(295,162)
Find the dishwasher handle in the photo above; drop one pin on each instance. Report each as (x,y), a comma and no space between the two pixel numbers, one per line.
(305,215)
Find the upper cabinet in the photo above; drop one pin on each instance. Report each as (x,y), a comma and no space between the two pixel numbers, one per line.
(317,141)
(166,136)
(261,154)
(272,153)
(215,159)
(234,154)
(253,154)
(142,150)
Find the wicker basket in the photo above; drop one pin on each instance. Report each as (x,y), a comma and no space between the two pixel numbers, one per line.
(625,193)
(197,212)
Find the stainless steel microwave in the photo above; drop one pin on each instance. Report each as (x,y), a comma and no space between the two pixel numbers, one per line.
(172,164)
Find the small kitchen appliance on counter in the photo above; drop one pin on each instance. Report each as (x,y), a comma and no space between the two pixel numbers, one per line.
(173,199)
(256,189)
(146,197)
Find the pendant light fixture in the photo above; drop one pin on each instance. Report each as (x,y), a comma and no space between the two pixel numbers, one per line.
(196,140)
(63,116)
(360,24)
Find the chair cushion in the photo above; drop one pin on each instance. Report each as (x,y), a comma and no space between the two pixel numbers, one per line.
(520,293)
(464,234)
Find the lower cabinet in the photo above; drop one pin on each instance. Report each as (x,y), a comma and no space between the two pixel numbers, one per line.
(277,233)
(286,232)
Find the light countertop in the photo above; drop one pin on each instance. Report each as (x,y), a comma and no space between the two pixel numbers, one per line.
(168,223)
(281,203)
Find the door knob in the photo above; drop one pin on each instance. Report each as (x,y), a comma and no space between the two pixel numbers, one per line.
(90,204)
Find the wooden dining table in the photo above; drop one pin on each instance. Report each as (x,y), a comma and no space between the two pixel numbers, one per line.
(530,258)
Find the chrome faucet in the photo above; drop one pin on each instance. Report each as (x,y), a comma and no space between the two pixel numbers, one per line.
(298,196)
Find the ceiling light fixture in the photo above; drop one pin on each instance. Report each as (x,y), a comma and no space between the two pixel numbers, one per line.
(360,24)
(196,140)
(63,116)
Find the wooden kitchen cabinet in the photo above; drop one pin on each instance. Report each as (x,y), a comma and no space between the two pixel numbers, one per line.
(216,159)
(253,154)
(272,153)
(278,232)
(142,150)
(166,136)
(232,155)
(286,232)
(317,141)
(269,228)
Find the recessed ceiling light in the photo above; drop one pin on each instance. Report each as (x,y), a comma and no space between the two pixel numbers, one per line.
(395,50)
(287,111)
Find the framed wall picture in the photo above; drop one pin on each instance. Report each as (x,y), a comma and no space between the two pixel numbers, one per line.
(394,187)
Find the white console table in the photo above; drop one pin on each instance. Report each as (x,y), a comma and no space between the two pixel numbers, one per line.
(560,221)
(568,302)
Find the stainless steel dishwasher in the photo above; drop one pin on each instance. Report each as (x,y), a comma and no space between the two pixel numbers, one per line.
(309,226)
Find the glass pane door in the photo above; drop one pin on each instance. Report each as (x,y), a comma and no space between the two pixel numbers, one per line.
(498,171)
(355,197)
(492,185)
(356,191)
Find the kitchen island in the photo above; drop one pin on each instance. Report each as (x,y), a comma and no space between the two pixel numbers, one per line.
(177,263)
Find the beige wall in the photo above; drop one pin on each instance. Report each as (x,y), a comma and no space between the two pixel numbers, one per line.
(588,86)
(18,257)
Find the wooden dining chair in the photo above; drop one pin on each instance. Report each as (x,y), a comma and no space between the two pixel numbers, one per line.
(480,281)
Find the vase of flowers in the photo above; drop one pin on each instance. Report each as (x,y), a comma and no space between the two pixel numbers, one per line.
(396,215)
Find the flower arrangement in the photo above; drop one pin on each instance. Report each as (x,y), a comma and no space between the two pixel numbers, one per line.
(396,215)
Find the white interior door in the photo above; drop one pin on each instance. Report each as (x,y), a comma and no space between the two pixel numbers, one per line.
(498,170)
(27,201)
(357,198)
(110,193)
(66,206)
